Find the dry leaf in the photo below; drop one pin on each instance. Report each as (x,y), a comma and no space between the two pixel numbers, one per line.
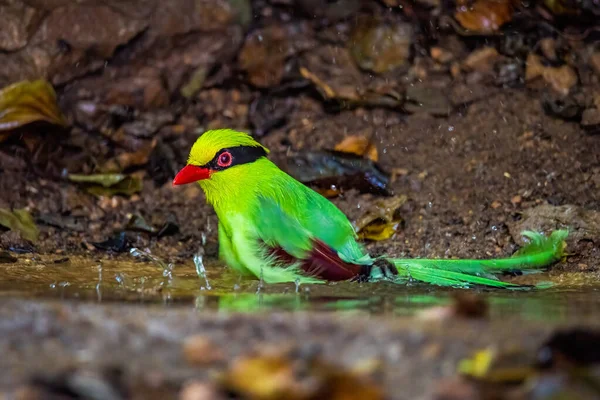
(328,192)
(382,221)
(335,75)
(25,102)
(379,47)
(263,55)
(19,221)
(282,376)
(484,16)
(491,365)
(338,171)
(124,161)
(108,184)
(359,145)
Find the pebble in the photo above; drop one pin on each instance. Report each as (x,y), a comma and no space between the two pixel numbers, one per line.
(200,350)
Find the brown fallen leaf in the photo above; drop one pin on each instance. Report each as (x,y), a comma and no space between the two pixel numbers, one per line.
(335,75)
(359,145)
(381,221)
(126,160)
(28,101)
(484,16)
(330,193)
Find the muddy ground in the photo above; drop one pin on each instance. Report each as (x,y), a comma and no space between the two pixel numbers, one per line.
(486,133)
(89,351)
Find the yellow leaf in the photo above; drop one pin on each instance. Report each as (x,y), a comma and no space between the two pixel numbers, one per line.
(19,221)
(25,102)
(484,16)
(382,221)
(275,375)
(479,365)
(358,145)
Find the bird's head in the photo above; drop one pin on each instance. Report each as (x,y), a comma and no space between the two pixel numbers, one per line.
(217,151)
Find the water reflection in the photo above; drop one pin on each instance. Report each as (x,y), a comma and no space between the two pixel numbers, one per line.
(146,282)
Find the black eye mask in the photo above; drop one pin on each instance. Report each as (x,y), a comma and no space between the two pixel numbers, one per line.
(239,155)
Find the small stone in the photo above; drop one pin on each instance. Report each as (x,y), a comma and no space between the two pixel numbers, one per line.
(28,393)
(595,62)
(455,70)
(516,200)
(582,266)
(431,351)
(496,204)
(561,79)
(199,391)
(397,172)
(527,135)
(548,47)
(455,389)
(199,350)
(590,117)
(440,55)
(481,60)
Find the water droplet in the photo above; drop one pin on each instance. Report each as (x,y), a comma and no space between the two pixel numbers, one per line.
(99,284)
(199,263)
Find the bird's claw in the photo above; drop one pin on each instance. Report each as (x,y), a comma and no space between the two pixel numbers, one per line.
(381,267)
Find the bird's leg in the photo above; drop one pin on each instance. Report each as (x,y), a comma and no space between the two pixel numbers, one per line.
(364,275)
(388,270)
(381,268)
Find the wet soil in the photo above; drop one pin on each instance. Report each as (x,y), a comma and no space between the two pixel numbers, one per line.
(463,174)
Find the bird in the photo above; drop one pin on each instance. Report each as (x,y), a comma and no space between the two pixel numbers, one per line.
(274,228)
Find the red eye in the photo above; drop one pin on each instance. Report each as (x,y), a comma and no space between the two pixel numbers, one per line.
(225,159)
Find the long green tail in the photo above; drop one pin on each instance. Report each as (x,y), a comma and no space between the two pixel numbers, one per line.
(540,252)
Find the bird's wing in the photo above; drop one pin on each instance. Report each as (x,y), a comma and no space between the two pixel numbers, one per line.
(289,240)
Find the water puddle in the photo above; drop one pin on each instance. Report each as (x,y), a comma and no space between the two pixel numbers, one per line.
(209,286)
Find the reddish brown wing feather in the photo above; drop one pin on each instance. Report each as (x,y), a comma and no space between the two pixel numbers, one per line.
(322,262)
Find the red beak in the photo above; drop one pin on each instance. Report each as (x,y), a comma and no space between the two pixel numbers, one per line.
(191,173)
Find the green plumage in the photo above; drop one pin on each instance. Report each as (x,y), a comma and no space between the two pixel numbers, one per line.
(264,212)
